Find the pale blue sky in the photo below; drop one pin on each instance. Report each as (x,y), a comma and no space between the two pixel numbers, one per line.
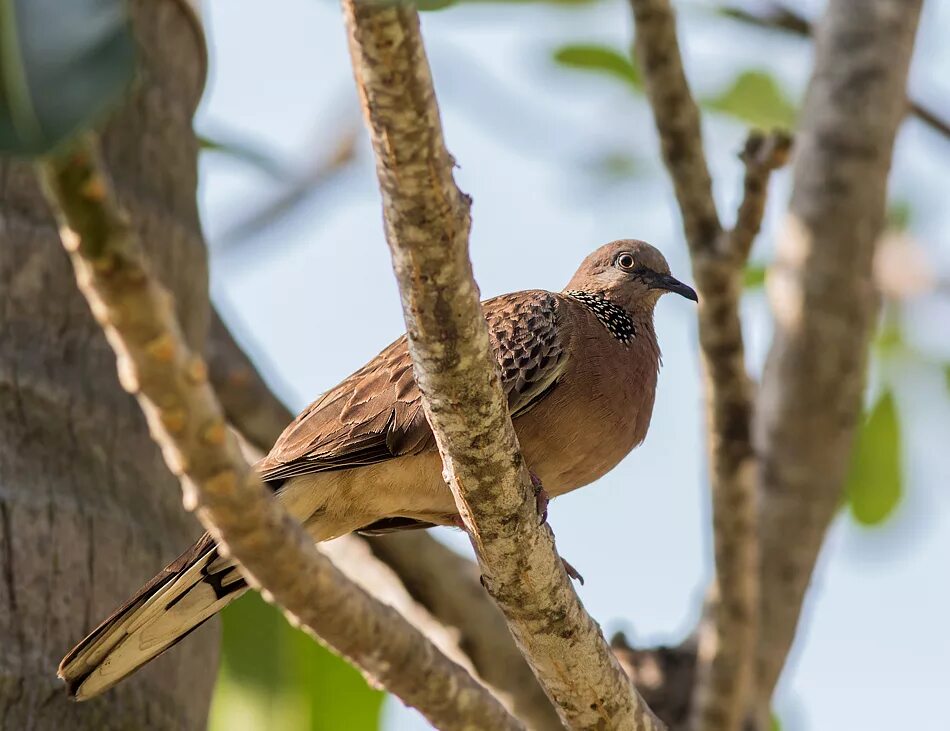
(314,298)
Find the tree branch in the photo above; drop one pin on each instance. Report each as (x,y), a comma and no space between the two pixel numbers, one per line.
(427,224)
(762,155)
(445,584)
(171,386)
(727,652)
(823,299)
(677,121)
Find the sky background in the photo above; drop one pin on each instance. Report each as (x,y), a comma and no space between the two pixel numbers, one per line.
(313,298)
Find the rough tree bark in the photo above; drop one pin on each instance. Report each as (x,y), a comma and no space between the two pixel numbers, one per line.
(81,483)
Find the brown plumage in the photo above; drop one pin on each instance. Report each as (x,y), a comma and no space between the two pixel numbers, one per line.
(579,369)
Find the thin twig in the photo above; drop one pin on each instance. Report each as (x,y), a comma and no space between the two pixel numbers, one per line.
(762,154)
(323,172)
(427,225)
(444,583)
(172,388)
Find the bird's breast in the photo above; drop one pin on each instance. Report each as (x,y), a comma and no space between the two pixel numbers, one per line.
(596,414)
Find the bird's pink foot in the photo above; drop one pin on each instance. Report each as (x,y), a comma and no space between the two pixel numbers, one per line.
(540,497)
(572,572)
(458,522)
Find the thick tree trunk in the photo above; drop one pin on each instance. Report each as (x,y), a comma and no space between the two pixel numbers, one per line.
(88,509)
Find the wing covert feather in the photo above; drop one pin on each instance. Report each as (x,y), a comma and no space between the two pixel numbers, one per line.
(376,413)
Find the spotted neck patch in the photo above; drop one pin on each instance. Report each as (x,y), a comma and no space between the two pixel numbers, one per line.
(611,316)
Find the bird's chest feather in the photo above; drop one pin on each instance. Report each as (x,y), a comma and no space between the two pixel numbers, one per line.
(597,413)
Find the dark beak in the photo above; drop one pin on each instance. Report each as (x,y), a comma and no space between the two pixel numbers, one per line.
(672,284)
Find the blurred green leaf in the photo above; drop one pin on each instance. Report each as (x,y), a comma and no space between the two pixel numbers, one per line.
(890,337)
(615,165)
(753,277)
(775,725)
(946,374)
(756,98)
(273,676)
(899,215)
(874,483)
(601,60)
(62,64)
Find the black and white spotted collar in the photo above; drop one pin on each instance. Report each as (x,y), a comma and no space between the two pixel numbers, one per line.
(611,316)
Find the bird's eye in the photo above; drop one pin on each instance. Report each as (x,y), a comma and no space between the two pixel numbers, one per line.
(626,262)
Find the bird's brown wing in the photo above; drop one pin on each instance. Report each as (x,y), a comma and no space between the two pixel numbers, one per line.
(376,414)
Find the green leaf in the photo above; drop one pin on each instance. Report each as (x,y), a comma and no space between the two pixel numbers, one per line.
(600,60)
(62,64)
(890,336)
(753,277)
(275,676)
(757,99)
(946,374)
(899,215)
(615,165)
(874,483)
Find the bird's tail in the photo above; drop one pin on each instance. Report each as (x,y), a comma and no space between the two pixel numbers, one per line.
(187,592)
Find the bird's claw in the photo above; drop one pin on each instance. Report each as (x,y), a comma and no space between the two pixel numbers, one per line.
(572,572)
(540,498)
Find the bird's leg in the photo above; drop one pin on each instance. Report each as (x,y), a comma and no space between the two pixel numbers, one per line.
(541,501)
(540,497)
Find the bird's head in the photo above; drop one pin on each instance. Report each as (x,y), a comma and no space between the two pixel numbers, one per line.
(629,273)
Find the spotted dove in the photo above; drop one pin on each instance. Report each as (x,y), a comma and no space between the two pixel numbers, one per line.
(579,368)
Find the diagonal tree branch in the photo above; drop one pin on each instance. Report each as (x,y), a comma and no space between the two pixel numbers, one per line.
(445,584)
(678,123)
(727,651)
(427,225)
(448,586)
(823,299)
(171,385)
